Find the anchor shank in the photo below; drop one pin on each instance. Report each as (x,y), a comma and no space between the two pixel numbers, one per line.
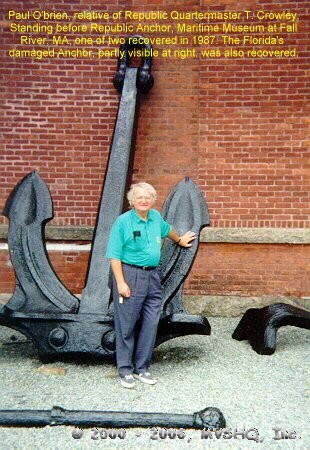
(96,295)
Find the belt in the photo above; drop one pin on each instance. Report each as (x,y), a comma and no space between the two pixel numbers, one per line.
(141,267)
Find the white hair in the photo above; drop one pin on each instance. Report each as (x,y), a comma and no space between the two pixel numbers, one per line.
(146,186)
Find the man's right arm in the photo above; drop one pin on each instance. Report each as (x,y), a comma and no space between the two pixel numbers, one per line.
(122,286)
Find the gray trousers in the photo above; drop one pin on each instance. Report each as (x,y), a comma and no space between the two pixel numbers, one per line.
(134,353)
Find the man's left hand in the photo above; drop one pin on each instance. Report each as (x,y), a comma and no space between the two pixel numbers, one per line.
(187,238)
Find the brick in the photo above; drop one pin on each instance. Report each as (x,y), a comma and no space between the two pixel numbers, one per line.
(239,128)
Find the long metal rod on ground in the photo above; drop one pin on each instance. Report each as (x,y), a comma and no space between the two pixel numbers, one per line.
(208,418)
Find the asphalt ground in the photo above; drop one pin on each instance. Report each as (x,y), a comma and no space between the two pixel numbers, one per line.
(265,399)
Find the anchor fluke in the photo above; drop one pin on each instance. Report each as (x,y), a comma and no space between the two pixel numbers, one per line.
(185,209)
(38,289)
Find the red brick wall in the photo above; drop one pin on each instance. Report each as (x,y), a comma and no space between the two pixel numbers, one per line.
(238,127)
(250,270)
(254,155)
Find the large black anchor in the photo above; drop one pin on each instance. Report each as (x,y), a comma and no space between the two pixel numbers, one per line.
(60,324)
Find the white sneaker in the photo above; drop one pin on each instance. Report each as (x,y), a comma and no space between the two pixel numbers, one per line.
(128,381)
(145,377)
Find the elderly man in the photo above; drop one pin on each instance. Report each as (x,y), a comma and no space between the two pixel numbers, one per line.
(134,249)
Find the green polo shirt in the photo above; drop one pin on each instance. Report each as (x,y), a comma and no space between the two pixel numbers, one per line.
(136,241)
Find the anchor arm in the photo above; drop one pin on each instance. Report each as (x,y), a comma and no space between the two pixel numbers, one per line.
(38,288)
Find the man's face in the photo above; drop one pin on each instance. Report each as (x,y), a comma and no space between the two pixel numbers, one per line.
(142,200)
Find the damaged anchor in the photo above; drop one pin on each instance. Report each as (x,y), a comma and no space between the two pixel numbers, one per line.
(41,307)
